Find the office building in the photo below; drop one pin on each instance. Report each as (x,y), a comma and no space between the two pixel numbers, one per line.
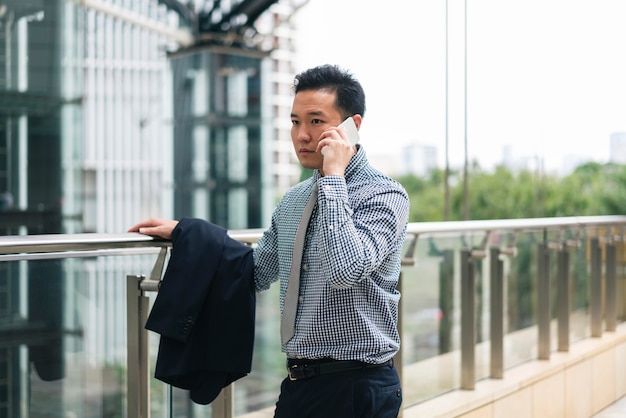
(419,159)
(617,151)
(112,111)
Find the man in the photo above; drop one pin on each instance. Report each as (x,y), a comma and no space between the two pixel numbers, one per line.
(340,349)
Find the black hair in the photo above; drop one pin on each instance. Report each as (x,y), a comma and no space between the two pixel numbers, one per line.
(350,95)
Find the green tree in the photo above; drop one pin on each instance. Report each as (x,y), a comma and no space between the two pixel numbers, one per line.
(426,195)
(592,189)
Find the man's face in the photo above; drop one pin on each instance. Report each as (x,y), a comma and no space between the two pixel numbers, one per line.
(312,112)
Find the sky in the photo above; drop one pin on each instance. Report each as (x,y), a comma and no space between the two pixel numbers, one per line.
(547,78)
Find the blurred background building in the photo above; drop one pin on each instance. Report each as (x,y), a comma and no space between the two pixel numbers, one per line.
(618,147)
(112,111)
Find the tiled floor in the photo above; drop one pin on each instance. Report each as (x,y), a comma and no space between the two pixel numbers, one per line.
(616,410)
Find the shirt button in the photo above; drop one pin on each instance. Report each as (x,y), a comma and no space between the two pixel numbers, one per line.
(330,228)
(300,299)
(305,267)
(327,187)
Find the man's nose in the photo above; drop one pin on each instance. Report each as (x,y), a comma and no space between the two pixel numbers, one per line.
(303,134)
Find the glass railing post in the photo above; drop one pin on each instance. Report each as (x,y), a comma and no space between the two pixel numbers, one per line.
(468,321)
(596,288)
(611,287)
(224,405)
(563,298)
(543,301)
(138,388)
(446,301)
(496,315)
(407,260)
(398,357)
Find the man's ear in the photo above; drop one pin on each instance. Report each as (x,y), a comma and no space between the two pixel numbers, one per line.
(358,119)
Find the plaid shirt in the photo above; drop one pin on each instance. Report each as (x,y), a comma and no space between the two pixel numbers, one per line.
(348,305)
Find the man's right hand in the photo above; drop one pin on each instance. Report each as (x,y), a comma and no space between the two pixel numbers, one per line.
(155,227)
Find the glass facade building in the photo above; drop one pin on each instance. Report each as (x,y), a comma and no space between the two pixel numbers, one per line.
(218,154)
(108,115)
(104,123)
(83,135)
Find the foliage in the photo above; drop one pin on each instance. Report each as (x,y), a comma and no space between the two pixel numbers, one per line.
(426,196)
(591,189)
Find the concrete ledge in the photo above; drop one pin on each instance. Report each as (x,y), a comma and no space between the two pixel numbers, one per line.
(574,384)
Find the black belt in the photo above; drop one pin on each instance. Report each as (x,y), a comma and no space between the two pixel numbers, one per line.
(305,369)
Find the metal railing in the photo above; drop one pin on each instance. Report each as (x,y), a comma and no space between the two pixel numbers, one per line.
(603,243)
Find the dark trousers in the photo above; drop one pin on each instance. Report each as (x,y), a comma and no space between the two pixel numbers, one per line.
(366,393)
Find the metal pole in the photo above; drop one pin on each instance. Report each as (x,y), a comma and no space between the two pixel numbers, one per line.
(446,300)
(408,260)
(132,346)
(398,357)
(596,288)
(543,302)
(563,298)
(223,405)
(144,367)
(468,321)
(138,388)
(446,206)
(496,316)
(611,287)
(466,214)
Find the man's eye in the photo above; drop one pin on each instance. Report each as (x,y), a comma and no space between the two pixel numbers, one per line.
(294,122)
(316,121)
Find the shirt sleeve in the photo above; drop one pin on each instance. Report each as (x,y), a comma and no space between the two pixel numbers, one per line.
(266,256)
(357,240)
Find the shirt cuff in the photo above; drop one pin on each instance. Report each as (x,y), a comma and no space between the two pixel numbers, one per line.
(333,188)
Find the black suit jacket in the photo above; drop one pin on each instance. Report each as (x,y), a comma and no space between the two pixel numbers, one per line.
(204,311)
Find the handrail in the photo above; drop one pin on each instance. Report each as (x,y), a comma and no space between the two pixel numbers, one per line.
(14,244)
(514,224)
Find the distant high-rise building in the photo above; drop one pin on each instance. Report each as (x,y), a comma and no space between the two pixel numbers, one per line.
(515,162)
(617,153)
(418,159)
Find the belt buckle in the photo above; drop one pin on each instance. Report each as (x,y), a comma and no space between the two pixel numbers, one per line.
(290,370)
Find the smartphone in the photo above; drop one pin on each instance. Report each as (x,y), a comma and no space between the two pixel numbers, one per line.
(351,130)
